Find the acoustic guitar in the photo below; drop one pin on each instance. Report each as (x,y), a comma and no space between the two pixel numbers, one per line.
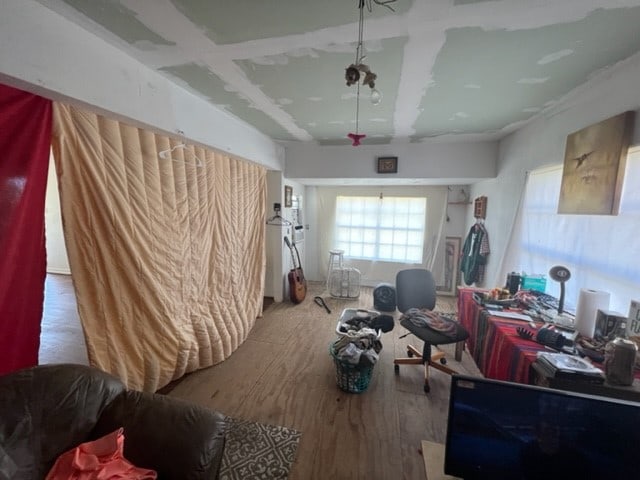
(297,282)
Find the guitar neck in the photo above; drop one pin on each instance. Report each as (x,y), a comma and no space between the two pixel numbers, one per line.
(293,258)
(298,255)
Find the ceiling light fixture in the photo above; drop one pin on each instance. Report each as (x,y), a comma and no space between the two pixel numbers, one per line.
(352,72)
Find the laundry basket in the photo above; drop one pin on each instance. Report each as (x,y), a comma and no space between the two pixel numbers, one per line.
(349,377)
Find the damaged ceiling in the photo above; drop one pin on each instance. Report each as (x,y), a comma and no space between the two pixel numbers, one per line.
(446,68)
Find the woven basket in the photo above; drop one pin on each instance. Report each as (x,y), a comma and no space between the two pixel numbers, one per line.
(351,378)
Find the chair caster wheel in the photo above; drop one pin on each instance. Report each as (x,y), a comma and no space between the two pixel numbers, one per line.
(443,361)
(426,388)
(396,369)
(409,354)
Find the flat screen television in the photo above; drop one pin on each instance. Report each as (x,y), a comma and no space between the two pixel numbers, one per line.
(504,430)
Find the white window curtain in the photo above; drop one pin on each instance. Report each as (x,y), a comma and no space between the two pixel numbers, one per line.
(374,272)
(601,251)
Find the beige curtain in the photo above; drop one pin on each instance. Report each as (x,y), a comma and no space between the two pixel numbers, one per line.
(167,254)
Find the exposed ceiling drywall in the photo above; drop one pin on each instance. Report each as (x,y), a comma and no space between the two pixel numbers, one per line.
(446,68)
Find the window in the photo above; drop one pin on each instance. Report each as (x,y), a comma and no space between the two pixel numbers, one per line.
(390,228)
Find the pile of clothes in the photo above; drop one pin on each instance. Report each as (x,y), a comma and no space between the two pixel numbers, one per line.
(358,347)
(425,318)
(372,320)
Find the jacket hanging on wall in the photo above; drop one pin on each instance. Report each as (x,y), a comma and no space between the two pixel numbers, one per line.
(474,254)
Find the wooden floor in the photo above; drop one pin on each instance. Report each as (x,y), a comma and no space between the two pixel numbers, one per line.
(283,375)
(61,336)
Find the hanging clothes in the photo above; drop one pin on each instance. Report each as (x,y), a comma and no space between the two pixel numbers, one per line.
(474,254)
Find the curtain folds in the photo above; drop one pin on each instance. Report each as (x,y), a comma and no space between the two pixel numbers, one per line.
(25,135)
(166,249)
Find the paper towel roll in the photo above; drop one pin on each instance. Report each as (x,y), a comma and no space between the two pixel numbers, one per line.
(589,302)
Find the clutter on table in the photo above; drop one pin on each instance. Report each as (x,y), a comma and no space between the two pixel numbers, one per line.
(570,367)
(593,334)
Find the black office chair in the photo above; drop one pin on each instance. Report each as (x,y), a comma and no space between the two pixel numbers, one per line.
(416,288)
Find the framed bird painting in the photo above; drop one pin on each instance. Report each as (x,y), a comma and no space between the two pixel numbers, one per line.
(594,165)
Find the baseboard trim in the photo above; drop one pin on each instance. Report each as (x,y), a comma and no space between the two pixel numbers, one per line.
(59,271)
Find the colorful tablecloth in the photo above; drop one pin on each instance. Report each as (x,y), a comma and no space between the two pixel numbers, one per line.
(499,352)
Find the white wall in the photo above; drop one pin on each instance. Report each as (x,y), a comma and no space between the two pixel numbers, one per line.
(455,226)
(287,261)
(313,256)
(57,260)
(278,254)
(274,234)
(542,142)
(46,54)
(418,163)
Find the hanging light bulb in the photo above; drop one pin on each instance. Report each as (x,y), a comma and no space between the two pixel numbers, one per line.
(353,72)
(376,96)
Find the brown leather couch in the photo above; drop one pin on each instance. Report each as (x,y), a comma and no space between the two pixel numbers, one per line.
(49,409)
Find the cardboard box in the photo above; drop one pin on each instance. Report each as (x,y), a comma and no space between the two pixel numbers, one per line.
(609,324)
(633,323)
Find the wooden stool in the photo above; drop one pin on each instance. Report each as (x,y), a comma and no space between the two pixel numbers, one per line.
(335,262)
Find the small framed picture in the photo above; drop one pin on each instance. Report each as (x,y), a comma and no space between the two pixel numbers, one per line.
(288,196)
(480,207)
(387,164)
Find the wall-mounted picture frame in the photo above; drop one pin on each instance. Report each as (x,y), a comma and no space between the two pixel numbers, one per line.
(480,207)
(451,266)
(288,196)
(387,165)
(594,164)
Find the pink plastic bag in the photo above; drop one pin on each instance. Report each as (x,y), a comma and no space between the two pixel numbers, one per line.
(101,459)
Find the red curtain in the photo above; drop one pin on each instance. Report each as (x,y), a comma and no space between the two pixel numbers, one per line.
(25,139)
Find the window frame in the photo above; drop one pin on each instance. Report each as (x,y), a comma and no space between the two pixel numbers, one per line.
(382,228)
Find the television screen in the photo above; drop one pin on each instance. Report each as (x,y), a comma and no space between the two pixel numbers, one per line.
(504,430)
